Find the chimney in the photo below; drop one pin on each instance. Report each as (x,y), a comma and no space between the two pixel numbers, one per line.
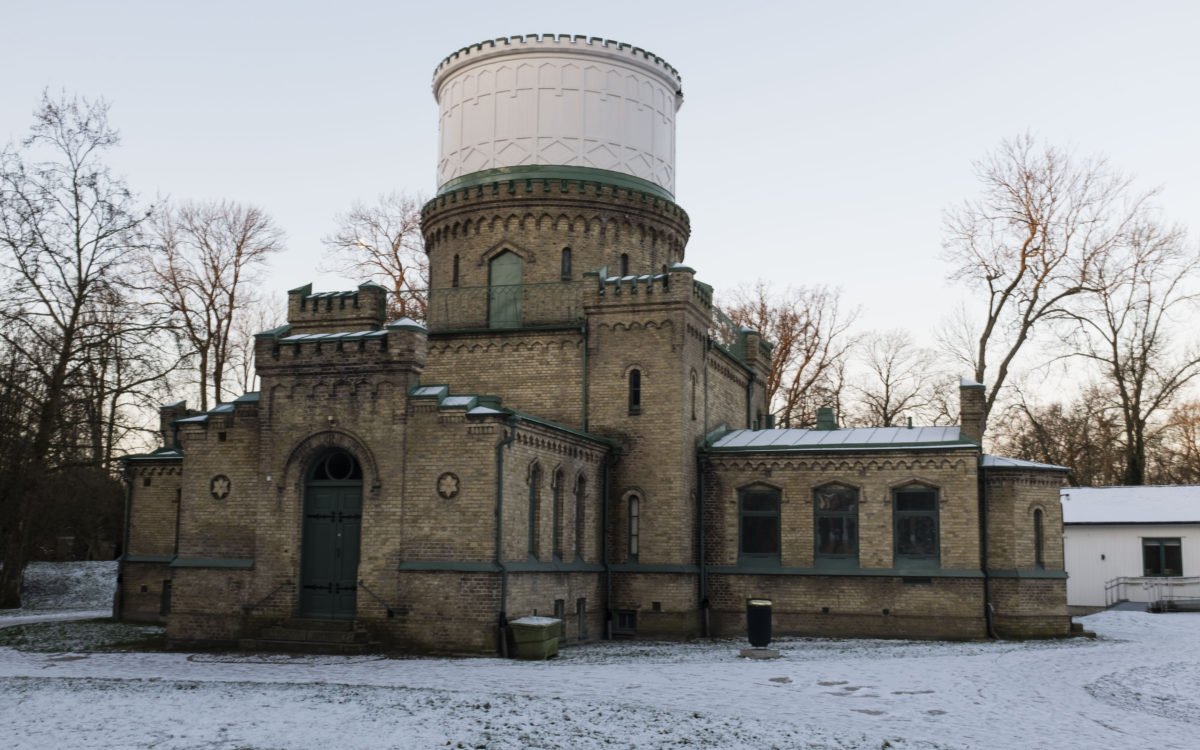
(972,410)
(167,414)
(826,419)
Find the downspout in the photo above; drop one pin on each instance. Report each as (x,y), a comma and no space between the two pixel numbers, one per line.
(504,442)
(608,613)
(120,603)
(988,609)
(750,402)
(583,419)
(704,604)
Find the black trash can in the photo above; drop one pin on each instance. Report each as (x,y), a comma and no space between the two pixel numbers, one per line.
(758,622)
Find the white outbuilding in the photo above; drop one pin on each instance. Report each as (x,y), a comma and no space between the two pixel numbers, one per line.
(1135,544)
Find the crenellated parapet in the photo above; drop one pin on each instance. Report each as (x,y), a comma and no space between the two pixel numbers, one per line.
(557,105)
(401,343)
(573,42)
(363,308)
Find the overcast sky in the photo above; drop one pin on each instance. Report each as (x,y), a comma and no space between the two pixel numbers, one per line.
(818,143)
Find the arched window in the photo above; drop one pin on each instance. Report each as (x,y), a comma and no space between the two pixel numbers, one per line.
(635,391)
(565,272)
(504,290)
(454,278)
(1039,539)
(535,510)
(759,526)
(835,518)
(915,515)
(557,530)
(337,466)
(635,511)
(624,264)
(580,494)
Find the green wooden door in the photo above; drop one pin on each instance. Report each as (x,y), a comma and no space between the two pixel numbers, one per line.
(505,290)
(329,557)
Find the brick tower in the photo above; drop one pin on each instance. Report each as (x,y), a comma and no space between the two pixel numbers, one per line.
(557,283)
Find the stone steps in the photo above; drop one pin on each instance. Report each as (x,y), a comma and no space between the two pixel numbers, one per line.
(310,637)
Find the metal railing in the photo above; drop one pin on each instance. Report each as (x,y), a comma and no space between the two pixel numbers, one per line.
(1160,594)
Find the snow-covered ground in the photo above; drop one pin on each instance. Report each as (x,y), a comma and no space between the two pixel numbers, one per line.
(1137,685)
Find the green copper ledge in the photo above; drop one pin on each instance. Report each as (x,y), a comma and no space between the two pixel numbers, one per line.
(556,172)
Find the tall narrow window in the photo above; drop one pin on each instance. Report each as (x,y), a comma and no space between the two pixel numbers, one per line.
(565,272)
(557,544)
(505,290)
(1039,539)
(835,519)
(915,512)
(535,511)
(635,391)
(695,392)
(580,493)
(454,277)
(759,528)
(581,617)
(634,521)
(624,264)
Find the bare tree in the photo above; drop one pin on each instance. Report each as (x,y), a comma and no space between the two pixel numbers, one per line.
(1084,436)
(1177,457)
(383,243)
(205,265)
(1030,243)
(69,233)
(258,316)
(1126,325)
(812,340)
(898,378)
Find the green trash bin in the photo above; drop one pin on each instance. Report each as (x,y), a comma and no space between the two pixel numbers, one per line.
(534,637)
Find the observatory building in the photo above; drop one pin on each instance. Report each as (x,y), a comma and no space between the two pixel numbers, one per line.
(573,430)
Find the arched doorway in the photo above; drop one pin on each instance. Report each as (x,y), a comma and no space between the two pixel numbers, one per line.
(330,537)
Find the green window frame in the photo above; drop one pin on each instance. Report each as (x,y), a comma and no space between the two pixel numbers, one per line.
(916,525)
(760,537)
(635,521)
(580,495)
(1039,539)
(835,525)
(557,530)
(535,510)
(1162,557)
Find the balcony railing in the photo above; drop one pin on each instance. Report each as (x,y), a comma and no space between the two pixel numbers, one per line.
(509,306)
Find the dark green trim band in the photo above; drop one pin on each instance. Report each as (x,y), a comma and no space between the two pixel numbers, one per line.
(449,566)
(556,172)
(537,566)
(1029,573)
(148,558)
(845,573)
(655,568)
(213,562)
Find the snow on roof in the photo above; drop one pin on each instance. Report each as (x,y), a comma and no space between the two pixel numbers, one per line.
(1001,462)
(845,439)
(1113,505)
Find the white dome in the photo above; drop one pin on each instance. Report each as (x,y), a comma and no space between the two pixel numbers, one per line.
(557,106)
